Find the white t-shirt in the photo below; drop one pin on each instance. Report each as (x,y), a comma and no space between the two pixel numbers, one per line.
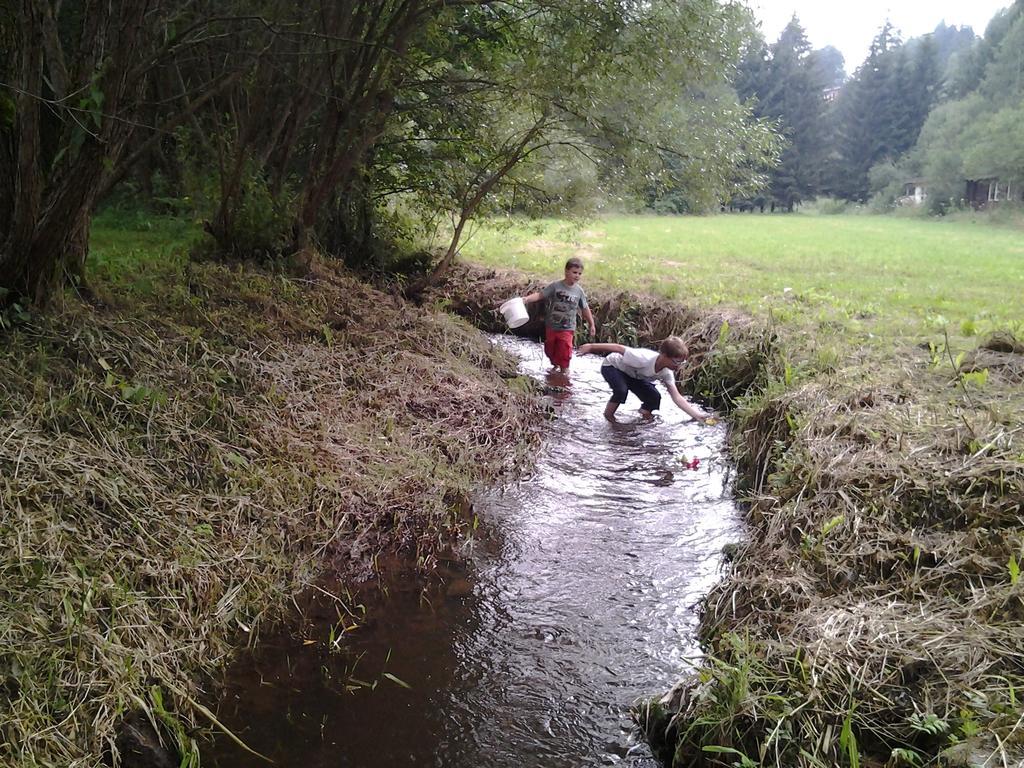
(639,363)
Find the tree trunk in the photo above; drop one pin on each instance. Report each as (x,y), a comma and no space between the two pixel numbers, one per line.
(54,192)
(471,203)
(34,267)
(417,287)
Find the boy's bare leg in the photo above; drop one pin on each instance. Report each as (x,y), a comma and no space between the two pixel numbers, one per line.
(610,409)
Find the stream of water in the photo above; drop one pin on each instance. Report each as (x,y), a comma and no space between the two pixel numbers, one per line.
(580,600)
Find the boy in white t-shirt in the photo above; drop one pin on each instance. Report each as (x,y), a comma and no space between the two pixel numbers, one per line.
(630,369)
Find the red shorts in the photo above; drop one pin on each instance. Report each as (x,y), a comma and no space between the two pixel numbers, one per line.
(558,346)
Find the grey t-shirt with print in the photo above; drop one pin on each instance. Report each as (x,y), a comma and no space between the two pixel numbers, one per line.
(564,301)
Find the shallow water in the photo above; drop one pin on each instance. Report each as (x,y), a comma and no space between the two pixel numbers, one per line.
(580,601)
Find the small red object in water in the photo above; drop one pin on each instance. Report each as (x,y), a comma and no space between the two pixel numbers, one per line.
(694,463)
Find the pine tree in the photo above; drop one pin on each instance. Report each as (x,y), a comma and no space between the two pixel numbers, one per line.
(869,116)
(788,84)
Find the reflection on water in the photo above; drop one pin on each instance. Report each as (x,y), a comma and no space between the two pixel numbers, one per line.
(581,601)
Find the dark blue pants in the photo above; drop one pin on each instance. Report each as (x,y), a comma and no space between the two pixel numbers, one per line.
(622,385)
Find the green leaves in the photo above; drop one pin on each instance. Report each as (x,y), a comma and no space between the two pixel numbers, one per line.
(848,740)
(611,99)
(742,762)
(928,723)
(8,110)
(92,104)
(13,313)
(904,756)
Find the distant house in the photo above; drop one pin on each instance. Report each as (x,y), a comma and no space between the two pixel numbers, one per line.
(914,192)
(830,94)
(981,193)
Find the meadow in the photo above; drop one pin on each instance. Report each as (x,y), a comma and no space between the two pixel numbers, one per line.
(137,252)
(883,275)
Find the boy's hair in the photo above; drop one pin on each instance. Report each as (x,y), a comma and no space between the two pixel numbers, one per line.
(574,262)
(674,347)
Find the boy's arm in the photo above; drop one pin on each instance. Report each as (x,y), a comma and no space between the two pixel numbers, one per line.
(532,297)
(684,405)
(589,317)
(586,349)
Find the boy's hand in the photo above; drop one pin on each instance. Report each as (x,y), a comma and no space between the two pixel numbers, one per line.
(584,349)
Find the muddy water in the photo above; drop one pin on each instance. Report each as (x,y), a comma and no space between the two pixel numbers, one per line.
(581,600)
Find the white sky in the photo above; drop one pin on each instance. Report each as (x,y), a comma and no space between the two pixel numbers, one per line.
(851,25)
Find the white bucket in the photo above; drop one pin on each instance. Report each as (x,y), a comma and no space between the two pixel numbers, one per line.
(515,312)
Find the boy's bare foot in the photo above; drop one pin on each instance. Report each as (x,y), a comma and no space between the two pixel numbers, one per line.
(646,415)
(609,411)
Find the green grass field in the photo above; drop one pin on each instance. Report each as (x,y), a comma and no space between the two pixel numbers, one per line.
(137,251)
(886,275)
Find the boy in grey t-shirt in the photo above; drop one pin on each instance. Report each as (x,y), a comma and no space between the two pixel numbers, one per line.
(564,299)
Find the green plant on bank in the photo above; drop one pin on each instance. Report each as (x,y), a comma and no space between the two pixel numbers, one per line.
(730,693)
(742,761)
(967,380)
(848,740)
(815,543)
(736,365)
(12,314)
(929,724)
(185,745)
(133,393)
(905,756)
(623,327)
(977,379)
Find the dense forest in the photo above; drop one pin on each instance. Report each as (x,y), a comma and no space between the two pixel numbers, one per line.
(941,113)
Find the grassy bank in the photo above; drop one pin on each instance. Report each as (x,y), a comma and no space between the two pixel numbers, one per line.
(875,612)
(199,442)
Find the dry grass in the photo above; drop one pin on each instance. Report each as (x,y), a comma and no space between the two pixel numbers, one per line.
(173,470)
